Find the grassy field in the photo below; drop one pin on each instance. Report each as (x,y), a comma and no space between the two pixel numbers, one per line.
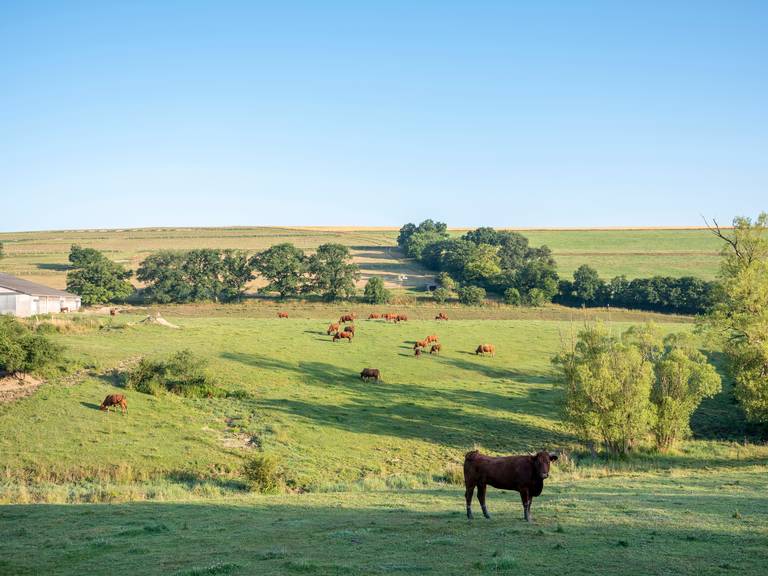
(42,256)
(369,467)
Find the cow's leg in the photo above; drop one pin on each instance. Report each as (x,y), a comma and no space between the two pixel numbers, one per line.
(468,495)
(526,504)
(481,497)
(528,515)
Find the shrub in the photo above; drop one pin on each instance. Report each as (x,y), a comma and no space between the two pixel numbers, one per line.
(512,296)
(471,295)
(536,297)
(262,474)
(441,294)
(375,293)
(22,350)
(445,280)
(183,373)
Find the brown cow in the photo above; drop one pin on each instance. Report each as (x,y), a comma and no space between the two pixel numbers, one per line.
(369,373)
(417,352)
(420,344)
(350,328)
(441,316)
(282,314)
(340,335)
(332,328)
(115,400)
(347,318)
(486,349)
(113,311)
(374,316)
(432,338)
(436,349)
(402,318)
(525,474)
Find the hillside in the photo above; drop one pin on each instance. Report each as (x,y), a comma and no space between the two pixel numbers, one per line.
(42,256)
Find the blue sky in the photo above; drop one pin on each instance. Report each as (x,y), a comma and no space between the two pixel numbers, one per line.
(584,113)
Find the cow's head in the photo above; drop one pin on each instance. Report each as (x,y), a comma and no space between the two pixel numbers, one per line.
(103,406)
(541,462)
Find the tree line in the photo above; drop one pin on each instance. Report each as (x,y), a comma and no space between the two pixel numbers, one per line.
(220,275)
(503,262)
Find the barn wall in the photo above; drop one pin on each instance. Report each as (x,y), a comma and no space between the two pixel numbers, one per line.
(8,302)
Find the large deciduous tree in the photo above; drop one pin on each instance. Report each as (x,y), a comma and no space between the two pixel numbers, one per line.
(95,278)
(332,273)
(284,267)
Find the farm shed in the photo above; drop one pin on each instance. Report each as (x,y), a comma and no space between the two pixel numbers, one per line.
(24,298)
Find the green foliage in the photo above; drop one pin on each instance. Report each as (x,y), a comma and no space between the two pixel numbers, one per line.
(607,390)
(95,278)
(512,296)
(445,280)
(333,274)
(2,250)
(22,350)
(183,373)
(441,294)
(262,473)
(284,266)
(616,391)
(586,283)
(195,275)
(471,295)
(740,318)
(414,239)
(375,293)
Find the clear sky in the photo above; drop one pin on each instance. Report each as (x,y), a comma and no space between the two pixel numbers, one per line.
(574,113)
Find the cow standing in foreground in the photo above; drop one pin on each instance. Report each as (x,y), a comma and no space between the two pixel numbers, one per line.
(342,335)
(369,373)
(115,400)
(525,474)
(486,349)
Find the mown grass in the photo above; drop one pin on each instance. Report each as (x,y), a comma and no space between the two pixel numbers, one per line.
(42,256)
(699,523)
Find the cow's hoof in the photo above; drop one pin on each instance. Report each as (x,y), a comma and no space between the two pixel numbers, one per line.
(487,516)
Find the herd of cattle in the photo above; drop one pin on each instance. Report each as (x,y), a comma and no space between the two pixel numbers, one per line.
(524,474)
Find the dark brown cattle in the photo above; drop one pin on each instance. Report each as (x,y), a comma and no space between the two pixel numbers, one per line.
(113,311)
(441,316)
(374,316)
(64,309)
(332,328)
(115,400)
(420,344)
(347,318)
(282,314)
(402,318)
(417,352)
(430,339)
(525,474)
(369,373)
(340,335)
(435,348)
(486,349)
(349,329)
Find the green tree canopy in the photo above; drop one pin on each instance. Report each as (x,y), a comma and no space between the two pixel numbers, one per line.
(375,292)
(284,267)
(333,274)
(95,278)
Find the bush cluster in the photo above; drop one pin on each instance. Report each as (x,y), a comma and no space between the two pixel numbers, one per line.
(182,373)
(22,350)
(262,474)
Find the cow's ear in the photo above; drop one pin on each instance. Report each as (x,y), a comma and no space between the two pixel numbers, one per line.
(552,456)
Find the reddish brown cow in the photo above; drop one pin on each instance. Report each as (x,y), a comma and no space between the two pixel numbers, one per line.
(402,318)
(282,314)
(347,318)
(340,335)
(486,349)
(441,316)
(436,349)
(349,329)
(332,328)
(525,474)
(417,352)
(374,316)
(420,344)
(115,400)
(113,311)
(432,338)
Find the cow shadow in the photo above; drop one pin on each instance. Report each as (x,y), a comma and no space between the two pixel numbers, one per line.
(90,405)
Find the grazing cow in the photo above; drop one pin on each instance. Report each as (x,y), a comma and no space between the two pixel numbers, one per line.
(340,335)
(432,338)
(402,318)
(64,309)
(525,474)
(113,311)
(417,352)
(441,316)
(486,349)
(350,328)
(369,373)
(115,400)
(420,344)
(282,314)
(436,349)
(347,318)
(332,328)
(374,316)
